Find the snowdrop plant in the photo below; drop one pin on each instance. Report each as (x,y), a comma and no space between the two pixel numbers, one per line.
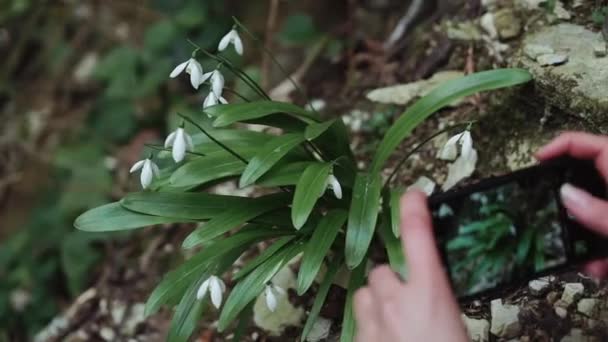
(193,68)
(290,167)
(149,170)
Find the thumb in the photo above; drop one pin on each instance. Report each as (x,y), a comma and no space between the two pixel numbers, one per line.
(590,211)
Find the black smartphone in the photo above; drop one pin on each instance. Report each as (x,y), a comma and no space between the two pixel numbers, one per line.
(506,230)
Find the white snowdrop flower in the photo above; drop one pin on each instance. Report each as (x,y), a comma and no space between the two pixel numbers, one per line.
(231,37)
(461,168)
(181,142)
(216,288)
(450,149)
(212,100)
(270,294)
(334,185)
(217,81)
(423,184)
(192,67)
(148,171)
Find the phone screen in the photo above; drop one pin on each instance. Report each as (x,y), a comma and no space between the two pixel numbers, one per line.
(507,230)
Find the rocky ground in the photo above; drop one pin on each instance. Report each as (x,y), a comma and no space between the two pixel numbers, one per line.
(565,52)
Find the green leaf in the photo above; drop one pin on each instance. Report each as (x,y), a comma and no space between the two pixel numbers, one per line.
(184,205)
(238,112)
(440,97)
(262,257)
(176,282)
(236,139)
(395,197)
(205,169)
(394,249)
(113,217)
(310,188)
(252,285)
(357,279)
(324,287)
(318,246)
(362,218)
(233,217)
(282,175)
(315,129)
(268,156)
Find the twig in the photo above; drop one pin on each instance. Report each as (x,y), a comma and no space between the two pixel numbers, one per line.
(270,26)
(404,23)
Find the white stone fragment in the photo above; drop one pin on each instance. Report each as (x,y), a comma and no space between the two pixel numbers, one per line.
(588,306)
(402,94)
(535,50)
(478,329)
(600,50)
(538,287)
(552,59)
(561,12)
(571,292)
(487,23)
(561,312)
(320,330)
(107,333)
(505,320)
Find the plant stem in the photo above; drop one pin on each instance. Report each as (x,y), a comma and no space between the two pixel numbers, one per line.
(417,148)
(160,148)
(228,149)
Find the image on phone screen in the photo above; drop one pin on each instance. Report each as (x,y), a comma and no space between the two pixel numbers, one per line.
(501,234)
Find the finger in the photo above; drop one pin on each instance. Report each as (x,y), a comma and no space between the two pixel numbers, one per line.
(597,269)
(579,145)
(383,283)
(365,314)
(590,211)
(417,238)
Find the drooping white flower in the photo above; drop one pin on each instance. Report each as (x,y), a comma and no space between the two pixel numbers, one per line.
(333,184)
(193,68)
(461,168)
(450,149)
(216,287)
(270,294)
(217,81)
(212,100)
(423,184)
(231,37)
(148,171)
(181,142)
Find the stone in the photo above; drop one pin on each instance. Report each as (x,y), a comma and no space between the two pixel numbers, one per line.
(552,59)
(136,316)
(560,311)
(508,24)
(561,12)
(575,335)
(107,333)
(571,292)
(320,330)
(577,87)
(588,306)
(600,50)
(505,320)
(478,329)
(487,23)
(529,4)
(539,287)
(466,30)
(552,297)
(403,94)
(535,50)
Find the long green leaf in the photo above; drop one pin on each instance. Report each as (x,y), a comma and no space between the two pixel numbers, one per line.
(231,113)
(394,249)
(440,97)
(184,205)
(234,217)
(357,279)
(324,287)
(395,197)
(113,217)
(268,156)
(205,169)
(314,130)
(262,257)
(175,283)
(362,218)
(283,175)
(310,187)
(252,285)
(318,246)
(236,139)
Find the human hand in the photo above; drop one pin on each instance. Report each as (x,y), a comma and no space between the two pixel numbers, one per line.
(422,309)
(590,211)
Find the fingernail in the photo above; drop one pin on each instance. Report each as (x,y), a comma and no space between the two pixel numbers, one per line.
(573,196)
